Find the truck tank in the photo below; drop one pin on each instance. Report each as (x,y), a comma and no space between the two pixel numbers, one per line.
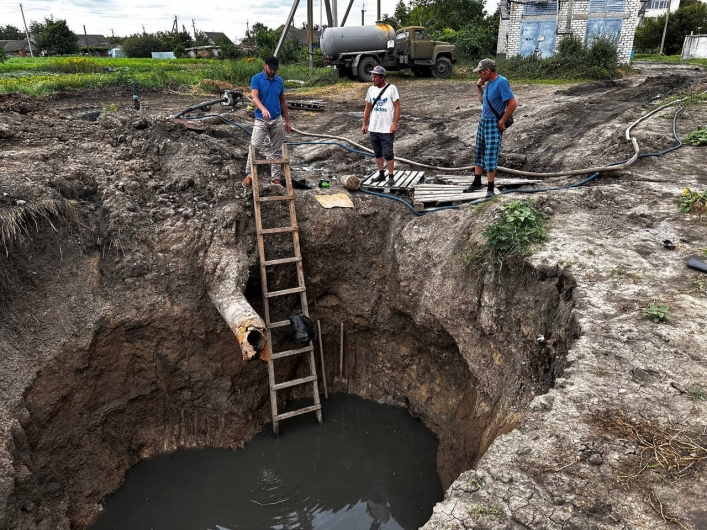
(356,39)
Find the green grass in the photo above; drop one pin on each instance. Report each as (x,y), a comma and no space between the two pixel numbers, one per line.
(673,59)
(40,76)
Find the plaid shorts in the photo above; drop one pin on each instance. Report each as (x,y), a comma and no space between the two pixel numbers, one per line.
(488,144)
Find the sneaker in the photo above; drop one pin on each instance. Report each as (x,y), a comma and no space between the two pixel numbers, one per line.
(379,178)
(391,182)
(471,188)
(248,181)
(490,193)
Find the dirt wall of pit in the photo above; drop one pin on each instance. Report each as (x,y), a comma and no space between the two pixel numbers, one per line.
(132,364)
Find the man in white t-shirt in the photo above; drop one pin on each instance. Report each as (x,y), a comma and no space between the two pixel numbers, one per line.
(383,109)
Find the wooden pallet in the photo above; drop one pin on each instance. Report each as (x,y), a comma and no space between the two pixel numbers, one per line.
(431,195)
(404,180)
(465,180)
(305,105)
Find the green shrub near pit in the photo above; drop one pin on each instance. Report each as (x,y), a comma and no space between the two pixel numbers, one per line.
(517,228)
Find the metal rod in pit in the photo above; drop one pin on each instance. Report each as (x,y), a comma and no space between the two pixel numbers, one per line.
(321,358)
(341,353)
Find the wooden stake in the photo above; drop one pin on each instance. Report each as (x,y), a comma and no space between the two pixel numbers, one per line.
(321,358)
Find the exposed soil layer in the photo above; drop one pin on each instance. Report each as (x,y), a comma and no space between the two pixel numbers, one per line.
(112,350)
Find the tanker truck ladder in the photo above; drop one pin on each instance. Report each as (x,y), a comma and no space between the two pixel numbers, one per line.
(258,201)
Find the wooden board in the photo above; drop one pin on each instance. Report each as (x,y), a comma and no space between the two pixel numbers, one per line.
(430,195)
(467,179)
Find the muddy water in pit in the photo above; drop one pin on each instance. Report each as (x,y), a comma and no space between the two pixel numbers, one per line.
(368,466)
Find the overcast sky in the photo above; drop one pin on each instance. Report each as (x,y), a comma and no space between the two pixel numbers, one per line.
(126,17)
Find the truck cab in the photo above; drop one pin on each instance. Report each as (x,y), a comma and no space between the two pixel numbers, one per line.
(424,56)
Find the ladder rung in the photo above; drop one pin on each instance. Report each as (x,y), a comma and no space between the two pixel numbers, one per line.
(297,412)
(280,324)
(273,161)
(277,230)
(281,261)
(295,382)
(277,198)
(287,353)
(285,292)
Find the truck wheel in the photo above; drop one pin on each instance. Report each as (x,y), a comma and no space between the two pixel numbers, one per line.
(364,68)
(442,68)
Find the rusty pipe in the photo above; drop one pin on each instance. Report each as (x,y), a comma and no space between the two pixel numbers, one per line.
(226,273)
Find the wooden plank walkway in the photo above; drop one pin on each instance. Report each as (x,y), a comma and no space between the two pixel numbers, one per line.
(404,180)
(467,179)
(431,195)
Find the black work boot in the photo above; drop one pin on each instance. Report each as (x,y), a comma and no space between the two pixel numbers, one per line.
(380,177)
(391,181)
(489,190)
(474,186)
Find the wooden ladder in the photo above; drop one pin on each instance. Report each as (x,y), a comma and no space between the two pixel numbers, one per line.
(267,295)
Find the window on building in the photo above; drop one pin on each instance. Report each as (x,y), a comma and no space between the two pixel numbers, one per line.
(606,6)
(540,8)
(609,28)
(658,4)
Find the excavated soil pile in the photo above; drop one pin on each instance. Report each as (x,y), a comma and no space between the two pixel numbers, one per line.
(113,223)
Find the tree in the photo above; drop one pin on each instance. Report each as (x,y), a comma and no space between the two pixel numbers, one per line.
(691,16)
(265,39)
(10,33)
(438,15)
(55,38)
(141,45)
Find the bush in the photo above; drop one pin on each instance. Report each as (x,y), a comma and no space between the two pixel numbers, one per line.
(518,226)
(141,46)
(573,60)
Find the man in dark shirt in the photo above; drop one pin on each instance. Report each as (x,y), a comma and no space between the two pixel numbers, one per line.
(272,119)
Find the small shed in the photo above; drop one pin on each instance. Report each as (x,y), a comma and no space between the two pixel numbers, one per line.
(116,52)
(18,48)
(694,47)
(163,55)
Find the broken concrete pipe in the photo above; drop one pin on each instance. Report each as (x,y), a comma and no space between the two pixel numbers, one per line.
(226,272)
(245,324)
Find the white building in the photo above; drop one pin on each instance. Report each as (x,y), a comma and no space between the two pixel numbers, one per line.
(529,28)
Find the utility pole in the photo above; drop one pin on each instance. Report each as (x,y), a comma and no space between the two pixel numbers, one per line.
(363,12)
(193,25)
(334,13)
(665,28)
(379,11)
(175,27)
(310,34)
(85,35)
(29,42)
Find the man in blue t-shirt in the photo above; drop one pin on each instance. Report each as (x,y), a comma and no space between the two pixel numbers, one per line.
(498,104)
(268,94)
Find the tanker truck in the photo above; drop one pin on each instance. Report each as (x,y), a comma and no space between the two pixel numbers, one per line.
(355,50)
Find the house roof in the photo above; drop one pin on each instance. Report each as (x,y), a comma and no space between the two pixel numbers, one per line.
(15,45)
(93,40)
(299,34)
(215,36)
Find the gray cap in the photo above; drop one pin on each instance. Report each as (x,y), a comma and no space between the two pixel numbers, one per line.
(379,70)
(485,63)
